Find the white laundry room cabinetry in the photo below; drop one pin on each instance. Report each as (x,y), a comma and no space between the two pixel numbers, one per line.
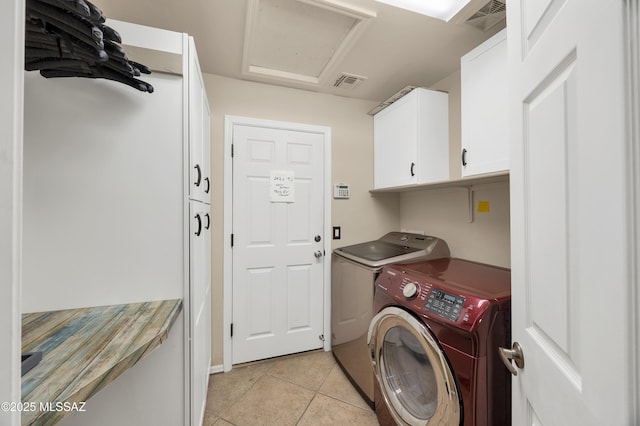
(199,236)
(199,131)
(485,144)
(112,215)
(411,140)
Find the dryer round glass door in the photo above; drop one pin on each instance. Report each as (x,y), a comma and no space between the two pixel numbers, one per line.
(413,372)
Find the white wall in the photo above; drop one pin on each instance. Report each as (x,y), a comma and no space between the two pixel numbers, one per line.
(445,213)
(12,46)
(103,192)
(361,218)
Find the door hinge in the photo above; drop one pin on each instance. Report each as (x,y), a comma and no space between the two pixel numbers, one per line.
(231,240)
(232,150)
(231,329)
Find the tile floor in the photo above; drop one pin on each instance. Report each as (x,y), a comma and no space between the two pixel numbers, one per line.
(303,389)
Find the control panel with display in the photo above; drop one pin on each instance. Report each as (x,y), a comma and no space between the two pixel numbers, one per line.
(444,304)
(341,190)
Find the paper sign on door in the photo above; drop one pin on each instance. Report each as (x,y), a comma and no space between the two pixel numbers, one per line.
(282,186)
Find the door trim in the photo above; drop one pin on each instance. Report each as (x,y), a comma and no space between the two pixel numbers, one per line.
(229,122)
(632,70)
(11,211)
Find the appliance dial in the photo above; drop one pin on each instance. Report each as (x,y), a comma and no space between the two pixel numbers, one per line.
(411,290)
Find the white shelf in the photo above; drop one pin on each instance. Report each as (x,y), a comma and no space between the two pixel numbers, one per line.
(457,183)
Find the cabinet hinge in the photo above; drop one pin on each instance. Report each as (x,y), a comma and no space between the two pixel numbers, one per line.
(231,240)
(231,329)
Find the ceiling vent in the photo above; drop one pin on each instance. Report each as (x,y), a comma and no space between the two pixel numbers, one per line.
(489,15)
(348,81)
(392,99)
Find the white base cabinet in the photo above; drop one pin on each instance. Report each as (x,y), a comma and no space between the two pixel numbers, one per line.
(485,144)
(200,305)
(411,140)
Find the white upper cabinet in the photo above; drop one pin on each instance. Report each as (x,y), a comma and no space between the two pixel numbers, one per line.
(485,147)
(411,140)
(199,132)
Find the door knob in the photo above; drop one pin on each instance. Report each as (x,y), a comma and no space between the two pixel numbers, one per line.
(318,254)
(514,354)
(317,238)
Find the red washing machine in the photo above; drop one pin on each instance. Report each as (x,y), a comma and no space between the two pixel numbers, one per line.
(434,344)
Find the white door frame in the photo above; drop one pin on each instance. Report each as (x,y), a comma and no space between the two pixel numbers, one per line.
(229,122)
(11,131)
(632,46)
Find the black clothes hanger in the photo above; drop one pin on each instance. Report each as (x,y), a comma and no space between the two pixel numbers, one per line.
(68,38)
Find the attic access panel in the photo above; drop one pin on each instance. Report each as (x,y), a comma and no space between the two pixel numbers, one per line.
(299,40)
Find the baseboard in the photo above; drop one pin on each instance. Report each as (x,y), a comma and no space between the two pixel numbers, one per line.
(216,369)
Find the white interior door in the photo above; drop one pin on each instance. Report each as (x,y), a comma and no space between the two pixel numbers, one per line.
(278,247)
(572,304)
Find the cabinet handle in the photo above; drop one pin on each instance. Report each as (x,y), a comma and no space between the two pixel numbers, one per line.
(208,186)
(208,221)
(464,157)
(199,178)
(199,230)
(413,172)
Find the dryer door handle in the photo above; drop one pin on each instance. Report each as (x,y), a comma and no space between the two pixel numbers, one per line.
(513,354)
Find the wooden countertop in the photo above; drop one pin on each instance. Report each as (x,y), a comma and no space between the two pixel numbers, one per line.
(85,349)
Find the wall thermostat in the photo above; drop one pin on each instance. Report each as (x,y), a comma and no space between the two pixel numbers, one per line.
(341,190)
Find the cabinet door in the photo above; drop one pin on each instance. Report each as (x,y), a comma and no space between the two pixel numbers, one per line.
(200,306)
(485,147)
(395,143)
(433,136)
(199,131)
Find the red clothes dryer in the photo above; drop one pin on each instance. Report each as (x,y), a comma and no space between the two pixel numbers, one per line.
(434,344)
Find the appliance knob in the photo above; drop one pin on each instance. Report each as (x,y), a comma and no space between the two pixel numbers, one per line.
(411,290)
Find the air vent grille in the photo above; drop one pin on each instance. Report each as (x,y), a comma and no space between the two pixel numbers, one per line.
(391,100)
(348,81)
(489,15)
(494,6)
